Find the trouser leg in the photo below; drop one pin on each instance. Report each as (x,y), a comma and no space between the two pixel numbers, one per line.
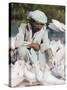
(22,53)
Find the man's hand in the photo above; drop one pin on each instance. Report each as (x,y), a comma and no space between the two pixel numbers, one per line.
(36,46)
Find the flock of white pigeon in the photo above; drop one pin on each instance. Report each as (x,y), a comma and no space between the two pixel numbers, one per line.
(51,74)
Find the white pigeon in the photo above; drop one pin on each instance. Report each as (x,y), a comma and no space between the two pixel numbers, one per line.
(60,54)
(59,72)
(17,73)
(57,61)
(59,68)
(53,27)
(49,79)
(55,45)
(57,25)
(29,75)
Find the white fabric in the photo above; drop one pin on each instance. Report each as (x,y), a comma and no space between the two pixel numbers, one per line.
(38,16)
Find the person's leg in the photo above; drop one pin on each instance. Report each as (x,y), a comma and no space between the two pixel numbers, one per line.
(22,53)
(42,58)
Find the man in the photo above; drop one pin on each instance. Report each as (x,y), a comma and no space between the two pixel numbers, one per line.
(32,39)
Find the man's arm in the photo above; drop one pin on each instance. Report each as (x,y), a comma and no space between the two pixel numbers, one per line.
(35,46)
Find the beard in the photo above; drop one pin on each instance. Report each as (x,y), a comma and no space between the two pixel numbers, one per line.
(34,30)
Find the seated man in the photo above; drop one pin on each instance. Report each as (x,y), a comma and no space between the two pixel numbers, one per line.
(32,39)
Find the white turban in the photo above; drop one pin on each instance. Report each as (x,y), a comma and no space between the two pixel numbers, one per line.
(38,16)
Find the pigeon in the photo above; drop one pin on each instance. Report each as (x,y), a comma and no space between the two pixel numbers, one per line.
(29,75)
(57,60)
(50,79)
(17,75)
(57,25)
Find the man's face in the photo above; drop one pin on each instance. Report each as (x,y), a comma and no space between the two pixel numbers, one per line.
(35,26)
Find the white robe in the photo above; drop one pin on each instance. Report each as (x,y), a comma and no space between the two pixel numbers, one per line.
(24,37)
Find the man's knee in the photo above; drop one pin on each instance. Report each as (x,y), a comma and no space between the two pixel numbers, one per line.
(22,52)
